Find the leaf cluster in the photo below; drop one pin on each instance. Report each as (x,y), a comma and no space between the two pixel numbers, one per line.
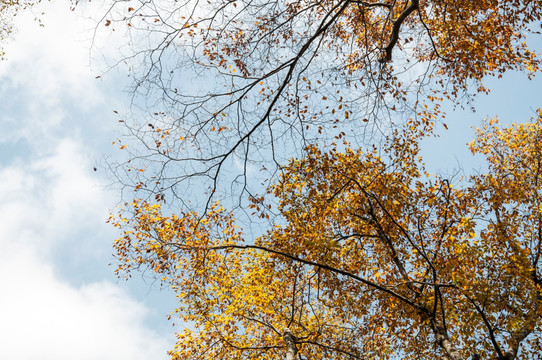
(372,257)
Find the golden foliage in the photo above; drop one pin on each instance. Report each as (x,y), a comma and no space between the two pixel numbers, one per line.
(372,257)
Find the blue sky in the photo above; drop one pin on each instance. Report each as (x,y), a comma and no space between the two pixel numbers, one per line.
(513,98)
(60,298)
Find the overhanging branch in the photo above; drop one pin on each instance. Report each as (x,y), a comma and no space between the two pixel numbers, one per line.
(414,5)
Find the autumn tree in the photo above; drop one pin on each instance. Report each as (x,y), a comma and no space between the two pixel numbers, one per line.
(306,117)
(222,87)
(371,257)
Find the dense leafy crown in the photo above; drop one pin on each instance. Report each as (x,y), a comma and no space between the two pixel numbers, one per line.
(367,255)
(371,258)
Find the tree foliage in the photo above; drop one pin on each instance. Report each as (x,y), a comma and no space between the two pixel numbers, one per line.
(240,81)
(365,254)
(371,257)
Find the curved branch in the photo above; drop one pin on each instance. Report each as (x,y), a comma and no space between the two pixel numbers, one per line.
(321,266)
(324,26)
(486,322)
(414,5)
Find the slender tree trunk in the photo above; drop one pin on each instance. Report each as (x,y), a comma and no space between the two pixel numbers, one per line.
(291,348)
(441,336)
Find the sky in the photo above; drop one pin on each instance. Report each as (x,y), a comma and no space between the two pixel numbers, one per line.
(60,298)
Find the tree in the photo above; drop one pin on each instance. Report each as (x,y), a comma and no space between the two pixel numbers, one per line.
(229,82)
(371,258)
(365,255)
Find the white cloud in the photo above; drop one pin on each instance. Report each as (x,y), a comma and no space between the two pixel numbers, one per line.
(52,62)
(51,196)
(57,302)
(45,318)
(49,68)
(47,205)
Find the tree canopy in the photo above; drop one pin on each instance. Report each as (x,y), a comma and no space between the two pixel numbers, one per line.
(221,76)
(371,258)
(364,254)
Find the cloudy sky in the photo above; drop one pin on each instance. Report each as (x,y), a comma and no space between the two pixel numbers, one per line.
(60,299)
